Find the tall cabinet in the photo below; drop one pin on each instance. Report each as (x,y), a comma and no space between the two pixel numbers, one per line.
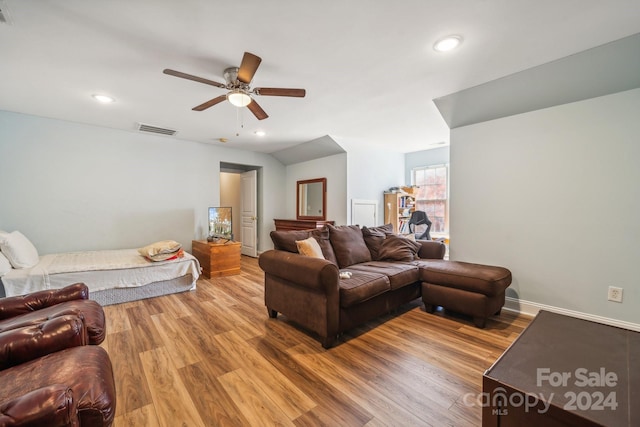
(398,208)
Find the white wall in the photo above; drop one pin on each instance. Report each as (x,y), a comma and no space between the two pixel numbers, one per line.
(554,195)
(370,173)
(69,186)
(334,168)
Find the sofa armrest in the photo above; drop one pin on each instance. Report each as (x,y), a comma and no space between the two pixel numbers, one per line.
(30,342)
(312,273)
(52,406)
(431,249)
(14,306)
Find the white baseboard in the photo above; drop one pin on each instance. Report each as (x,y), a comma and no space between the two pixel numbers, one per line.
(532,308)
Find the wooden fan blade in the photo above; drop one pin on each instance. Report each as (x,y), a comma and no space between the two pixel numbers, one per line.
(275,91)
(210,103)
(257,110)
(194,78)
(248,67)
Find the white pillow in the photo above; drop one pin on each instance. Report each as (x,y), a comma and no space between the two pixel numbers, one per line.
(19,250)
(5,265)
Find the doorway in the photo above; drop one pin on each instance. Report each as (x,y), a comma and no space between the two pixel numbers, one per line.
(239,189)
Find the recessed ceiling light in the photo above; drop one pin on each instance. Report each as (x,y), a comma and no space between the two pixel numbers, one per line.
(105,99)
(447,43)
(260,133)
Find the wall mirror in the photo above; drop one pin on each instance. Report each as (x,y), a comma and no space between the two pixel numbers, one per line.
(311,199)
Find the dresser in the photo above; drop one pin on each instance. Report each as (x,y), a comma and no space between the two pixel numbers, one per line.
(300,224)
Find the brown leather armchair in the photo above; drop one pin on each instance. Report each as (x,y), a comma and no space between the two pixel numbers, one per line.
(48,376)
(30,342)
(71,387)
(37,307)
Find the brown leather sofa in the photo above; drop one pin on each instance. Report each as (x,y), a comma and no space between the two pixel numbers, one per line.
(386,272)
(48,375)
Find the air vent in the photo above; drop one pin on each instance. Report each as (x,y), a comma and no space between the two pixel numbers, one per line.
(155,129)
(5,16)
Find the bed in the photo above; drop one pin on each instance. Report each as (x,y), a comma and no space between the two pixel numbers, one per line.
(113,276)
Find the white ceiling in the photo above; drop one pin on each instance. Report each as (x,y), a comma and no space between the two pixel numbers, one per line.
(368,66)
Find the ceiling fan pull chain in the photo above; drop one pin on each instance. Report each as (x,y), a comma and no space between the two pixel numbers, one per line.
(239,121)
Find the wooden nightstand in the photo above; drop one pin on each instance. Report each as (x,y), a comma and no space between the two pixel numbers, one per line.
(217,259)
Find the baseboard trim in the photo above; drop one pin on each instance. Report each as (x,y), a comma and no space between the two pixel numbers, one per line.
(532,308)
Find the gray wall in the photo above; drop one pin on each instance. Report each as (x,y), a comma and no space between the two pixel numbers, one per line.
(70,187)
(554,195)
(434,156)
(331,167)
(370,172)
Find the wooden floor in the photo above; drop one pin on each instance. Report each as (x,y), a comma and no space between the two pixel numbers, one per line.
(212,357)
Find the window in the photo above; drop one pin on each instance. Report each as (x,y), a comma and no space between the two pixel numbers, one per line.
(432,195)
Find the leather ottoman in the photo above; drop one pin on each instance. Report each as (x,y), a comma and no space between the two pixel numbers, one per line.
(473,289)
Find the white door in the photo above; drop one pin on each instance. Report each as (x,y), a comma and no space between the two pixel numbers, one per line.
(364,212)
(249,213)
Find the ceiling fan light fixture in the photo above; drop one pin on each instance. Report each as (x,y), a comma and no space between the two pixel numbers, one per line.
(239,98)
(448,43)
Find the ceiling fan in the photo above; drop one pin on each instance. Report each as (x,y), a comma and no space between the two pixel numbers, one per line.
(238,81)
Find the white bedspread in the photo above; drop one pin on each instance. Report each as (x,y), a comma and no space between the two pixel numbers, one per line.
(100,270)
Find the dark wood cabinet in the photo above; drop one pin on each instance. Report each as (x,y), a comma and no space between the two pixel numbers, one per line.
(564,371)
(300,224)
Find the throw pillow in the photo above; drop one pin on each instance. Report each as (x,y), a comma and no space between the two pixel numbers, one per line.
(5,265)
(161,251)
(374,236)
(322,236)
(398,248)
(19,250)
(309,247)
(348,245)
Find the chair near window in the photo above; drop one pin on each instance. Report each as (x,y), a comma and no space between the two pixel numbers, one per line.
(420,225)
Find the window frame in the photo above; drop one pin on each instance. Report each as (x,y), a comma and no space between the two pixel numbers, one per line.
(446,199)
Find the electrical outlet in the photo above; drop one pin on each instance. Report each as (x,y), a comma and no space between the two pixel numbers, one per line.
(615,294)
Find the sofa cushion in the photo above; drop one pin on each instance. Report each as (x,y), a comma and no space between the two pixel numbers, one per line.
(361,286)
(322,236)
(286,240)
(398,248)
(399,274)
(348,245)
(483,279)
(374,237)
